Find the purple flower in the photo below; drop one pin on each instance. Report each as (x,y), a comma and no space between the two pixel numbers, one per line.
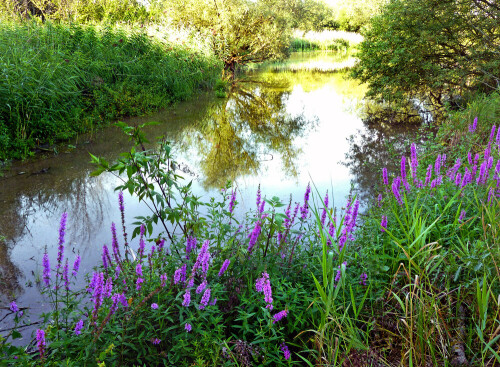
(78,327)
(254,236)
(138,270)
(114,243)
(105,256)
(304,210)
(13,307)
(492,134)
(428,176)
(201,287)
(395,190)
(156,341)
(279,316)
(46,269)
(62,229)
(187,298)
(286,351)
(65,275)
(190,245)
(383,223)
(40,339)
(462,216)
(384,176)
(224,266)
(76,265)
(264,285)
(138,284)
(325,210)
(491,194)
(473,127)
(437,165)
(154,306)
(232,201)
(180,274)
(403,168)
(458,179)
(213,302)
(414,161)
(163,279)
(498,136)
(363,278)
(258,197)
(188,327)
(204,299)
(469,158)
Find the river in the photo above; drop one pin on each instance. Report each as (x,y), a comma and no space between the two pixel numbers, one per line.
(284,125)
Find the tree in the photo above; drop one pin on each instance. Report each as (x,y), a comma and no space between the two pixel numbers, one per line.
(242,31)
(431,50)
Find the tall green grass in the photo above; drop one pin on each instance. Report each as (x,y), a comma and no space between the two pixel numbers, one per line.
(338,41)
(60,80)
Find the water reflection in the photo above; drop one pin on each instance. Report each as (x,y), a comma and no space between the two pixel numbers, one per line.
(372,148)
(277,129)
(251,127)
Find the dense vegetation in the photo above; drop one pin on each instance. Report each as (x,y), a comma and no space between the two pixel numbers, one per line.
(413,281)
(434,51)
(60,80)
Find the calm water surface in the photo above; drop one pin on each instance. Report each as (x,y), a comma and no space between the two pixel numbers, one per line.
(280,128)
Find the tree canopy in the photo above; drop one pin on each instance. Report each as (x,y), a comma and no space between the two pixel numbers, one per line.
(431,49)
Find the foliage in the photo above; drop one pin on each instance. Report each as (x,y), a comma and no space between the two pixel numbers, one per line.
(353,15)
(430,50)
(241,31)
(325,40)
(61,80)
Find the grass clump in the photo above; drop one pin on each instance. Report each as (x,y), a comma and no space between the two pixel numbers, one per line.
(60,80)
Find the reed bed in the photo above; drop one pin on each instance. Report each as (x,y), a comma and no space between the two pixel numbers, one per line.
(60,80)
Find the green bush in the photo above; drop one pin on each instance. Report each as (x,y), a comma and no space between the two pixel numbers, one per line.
(61,80)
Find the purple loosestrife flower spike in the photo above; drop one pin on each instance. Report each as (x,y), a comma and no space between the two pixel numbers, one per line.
(462,216)
(364,278)
(163,279)
(469,158)
(201,287)
(65,276)
(472,128)
(190,245)
(205,299)
(395,190)
(13,307)
(497,139)
(254,236)
(458,179)
(187,298)
(62,231)
(491,194)
(383,223)
(40,341)
(414,161)
(279,316)
(114,243)
(304,210)
(492,134)
(403,168)
(428,176)
(286,351)
(46,269)
(258,198)
(76,266)
(78,327)
(138,284)
(384,176)
(188,327)
(232,201)
(325,209)
(379,200)
(105,256)
(154,306)
(437,165)
(224,266)
(138,270)
(180,274)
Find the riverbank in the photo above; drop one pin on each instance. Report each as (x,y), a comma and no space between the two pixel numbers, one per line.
(65,79)
(337,41)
